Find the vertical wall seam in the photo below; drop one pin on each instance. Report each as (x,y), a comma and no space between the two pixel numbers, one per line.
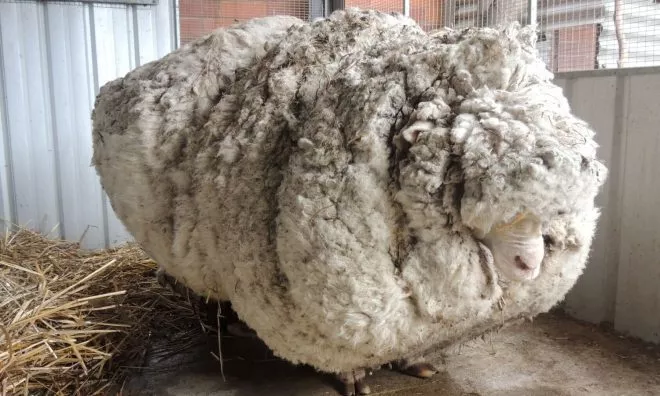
(95,76)
(155,37)
(617,172)
(136,35)
(29,150)
(130,37)
(176,29)
(47,61)
(7,147)
(568,90)
(73,112)
(568,94)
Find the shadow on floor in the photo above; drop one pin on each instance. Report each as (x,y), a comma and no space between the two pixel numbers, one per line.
(554,356)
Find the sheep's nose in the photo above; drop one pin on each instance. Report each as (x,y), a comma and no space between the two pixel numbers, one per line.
(521,264)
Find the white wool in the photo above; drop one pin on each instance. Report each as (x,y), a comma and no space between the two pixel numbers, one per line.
(340,181)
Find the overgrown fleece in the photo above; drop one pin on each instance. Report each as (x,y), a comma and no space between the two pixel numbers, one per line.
(330,179)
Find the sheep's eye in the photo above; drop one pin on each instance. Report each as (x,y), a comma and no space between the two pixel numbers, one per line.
(547,240)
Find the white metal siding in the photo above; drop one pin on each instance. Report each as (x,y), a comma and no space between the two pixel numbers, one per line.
(54,57)
(622,281)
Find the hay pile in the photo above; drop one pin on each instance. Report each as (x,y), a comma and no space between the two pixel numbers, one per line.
(72,321)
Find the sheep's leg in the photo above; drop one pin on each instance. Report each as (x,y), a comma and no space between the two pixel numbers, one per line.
(420,370)
(240,329)
(354,383)
(231,323)
(418,367)
(168,281)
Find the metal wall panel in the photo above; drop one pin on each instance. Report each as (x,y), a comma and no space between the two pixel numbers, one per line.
(638,292)
(620,284)
(593,297)
(53,59)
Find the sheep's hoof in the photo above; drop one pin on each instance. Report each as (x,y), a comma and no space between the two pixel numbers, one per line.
(420,369)
(167,281)
(240,329)
(162,277)
(354,383)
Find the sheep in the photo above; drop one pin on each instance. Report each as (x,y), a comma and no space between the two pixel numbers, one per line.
(360,190)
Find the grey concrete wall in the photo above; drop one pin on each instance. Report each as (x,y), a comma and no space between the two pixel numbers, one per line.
(621,284)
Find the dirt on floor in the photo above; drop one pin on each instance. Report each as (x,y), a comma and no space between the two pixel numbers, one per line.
(552,356)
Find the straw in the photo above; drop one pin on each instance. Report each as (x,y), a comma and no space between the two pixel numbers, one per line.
(72,321)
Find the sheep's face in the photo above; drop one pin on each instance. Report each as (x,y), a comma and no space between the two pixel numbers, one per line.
(518,248)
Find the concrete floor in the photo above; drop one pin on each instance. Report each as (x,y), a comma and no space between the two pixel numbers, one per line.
(552,356)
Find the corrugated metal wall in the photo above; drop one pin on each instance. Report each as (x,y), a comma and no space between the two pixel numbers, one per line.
(622,282)
(53,59)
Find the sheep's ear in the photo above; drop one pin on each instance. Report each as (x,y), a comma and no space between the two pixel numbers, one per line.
(410,135)
(479,234)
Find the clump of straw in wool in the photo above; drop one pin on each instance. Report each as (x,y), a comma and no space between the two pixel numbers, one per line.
(72,320)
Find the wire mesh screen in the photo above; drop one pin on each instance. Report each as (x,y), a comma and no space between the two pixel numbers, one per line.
(380,5)
(466,13)
(629,35)
(200,17)
(570,33)
(427,13)
(573,34)
(599,34)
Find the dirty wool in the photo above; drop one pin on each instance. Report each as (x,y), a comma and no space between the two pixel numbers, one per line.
(337,180)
